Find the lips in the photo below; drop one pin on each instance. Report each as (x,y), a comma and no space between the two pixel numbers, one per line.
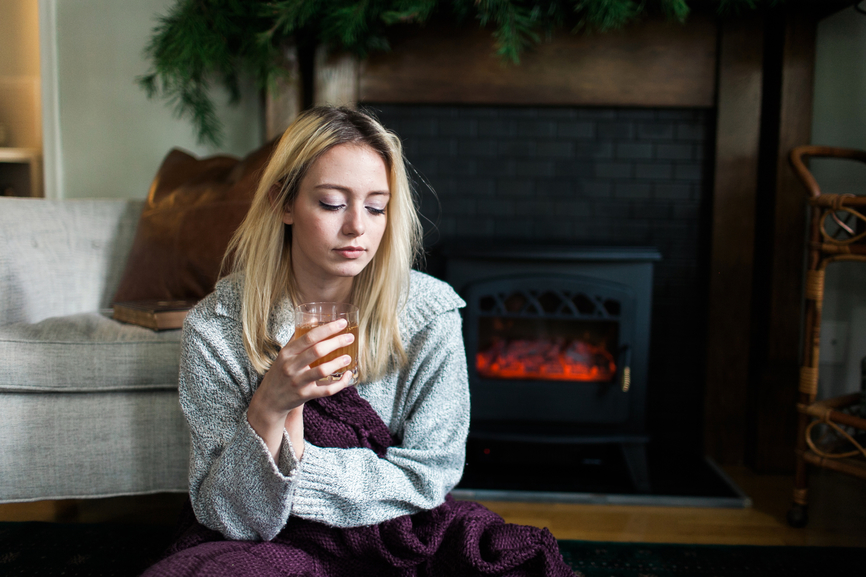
(350,251)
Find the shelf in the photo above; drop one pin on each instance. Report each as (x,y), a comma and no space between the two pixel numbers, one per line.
(19,154)
(838,448)
(21,172)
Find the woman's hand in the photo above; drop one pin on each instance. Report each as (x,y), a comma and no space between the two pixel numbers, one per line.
(290,382)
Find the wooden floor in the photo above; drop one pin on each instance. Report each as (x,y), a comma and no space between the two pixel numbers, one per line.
(837,515)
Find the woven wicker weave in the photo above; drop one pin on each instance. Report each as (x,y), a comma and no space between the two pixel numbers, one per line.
(838,449)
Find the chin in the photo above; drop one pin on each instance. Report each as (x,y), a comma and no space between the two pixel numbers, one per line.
(350,271)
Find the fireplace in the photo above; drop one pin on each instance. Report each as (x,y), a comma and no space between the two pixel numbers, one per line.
(573,177)
(737,91)
(557,339)
(553,191)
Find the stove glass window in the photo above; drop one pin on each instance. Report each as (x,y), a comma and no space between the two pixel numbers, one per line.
(546,349)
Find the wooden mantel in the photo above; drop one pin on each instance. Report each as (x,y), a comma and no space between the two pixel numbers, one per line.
(656,63)
(755,72)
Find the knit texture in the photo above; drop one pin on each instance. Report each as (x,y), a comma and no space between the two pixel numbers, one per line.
(457,538)
(238,489)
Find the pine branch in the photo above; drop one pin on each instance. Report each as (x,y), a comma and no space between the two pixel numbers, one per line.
(604,15)
(675,10)
(409,12)
(515,26)
(290,15)
(199,43)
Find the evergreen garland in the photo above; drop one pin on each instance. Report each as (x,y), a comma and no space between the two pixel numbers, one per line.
(201,42)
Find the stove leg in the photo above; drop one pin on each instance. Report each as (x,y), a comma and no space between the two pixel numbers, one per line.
(635,460)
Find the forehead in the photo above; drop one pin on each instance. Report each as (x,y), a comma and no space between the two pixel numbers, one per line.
(349,162)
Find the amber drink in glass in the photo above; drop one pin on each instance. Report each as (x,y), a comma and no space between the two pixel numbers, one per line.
(310,315)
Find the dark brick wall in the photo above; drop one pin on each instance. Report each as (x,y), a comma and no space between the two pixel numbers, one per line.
(583,176)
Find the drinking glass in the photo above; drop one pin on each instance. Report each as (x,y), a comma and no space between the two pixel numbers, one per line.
(310,315)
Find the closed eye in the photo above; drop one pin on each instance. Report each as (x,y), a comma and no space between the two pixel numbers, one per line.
(331,207)
(376,211)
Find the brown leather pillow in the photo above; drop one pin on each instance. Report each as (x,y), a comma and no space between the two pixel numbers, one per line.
(193,208)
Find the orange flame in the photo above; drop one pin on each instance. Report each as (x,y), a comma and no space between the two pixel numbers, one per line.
(545,359)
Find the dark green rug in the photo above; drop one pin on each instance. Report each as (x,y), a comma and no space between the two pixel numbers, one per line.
(104,550)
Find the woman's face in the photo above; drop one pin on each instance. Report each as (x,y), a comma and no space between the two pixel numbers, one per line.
(339,215)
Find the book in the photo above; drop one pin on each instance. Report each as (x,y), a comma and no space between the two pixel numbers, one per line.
(153,314)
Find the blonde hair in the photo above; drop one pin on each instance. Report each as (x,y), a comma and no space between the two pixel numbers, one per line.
(261,247)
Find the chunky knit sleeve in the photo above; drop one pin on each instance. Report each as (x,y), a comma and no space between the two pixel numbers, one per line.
(430,400)
(236,487)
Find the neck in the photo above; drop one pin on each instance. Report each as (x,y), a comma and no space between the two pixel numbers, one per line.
(339,290)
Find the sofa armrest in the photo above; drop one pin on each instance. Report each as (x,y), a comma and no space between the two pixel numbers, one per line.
(60,257)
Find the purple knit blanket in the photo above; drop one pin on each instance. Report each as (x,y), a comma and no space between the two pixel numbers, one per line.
(456,539)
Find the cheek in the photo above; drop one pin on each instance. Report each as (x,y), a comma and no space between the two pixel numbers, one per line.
(325,229)
(380,232)
(315,228)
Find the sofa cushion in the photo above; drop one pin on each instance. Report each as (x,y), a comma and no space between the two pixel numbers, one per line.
(91,445)
(61,257)
(192,210)
(87,352)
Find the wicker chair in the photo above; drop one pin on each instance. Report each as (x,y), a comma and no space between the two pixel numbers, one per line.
(841,419)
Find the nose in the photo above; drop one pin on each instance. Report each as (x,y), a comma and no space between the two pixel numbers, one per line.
(353,223)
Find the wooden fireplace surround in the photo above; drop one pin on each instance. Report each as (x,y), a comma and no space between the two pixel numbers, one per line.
(756,73)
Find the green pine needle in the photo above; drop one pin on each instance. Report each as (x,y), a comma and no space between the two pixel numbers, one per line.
(675,10)
(198,43)
(604,15)
(409,12)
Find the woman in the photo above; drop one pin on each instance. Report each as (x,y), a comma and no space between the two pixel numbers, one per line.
(326,475)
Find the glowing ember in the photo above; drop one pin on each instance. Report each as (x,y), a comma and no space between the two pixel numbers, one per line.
(545,359)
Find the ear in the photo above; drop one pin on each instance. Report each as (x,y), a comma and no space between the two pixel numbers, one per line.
(273,195)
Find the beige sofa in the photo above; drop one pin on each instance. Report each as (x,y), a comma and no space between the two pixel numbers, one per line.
(88,406)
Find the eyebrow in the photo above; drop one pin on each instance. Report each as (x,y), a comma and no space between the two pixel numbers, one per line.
(348,190)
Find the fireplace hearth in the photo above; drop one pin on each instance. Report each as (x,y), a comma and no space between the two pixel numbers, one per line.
(557,339)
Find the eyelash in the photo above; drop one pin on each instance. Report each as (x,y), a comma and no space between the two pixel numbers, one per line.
(336,207)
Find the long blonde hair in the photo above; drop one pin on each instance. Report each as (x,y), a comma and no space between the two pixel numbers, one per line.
(261,247)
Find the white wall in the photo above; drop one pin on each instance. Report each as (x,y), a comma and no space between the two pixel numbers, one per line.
(839,119)
(102,136)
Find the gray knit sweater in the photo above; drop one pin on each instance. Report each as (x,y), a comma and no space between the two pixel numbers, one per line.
(238,489)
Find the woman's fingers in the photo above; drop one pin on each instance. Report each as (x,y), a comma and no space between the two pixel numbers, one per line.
(298,382)
(317,343)
(316,374)
(326,390)
(315,335)
(323,349)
